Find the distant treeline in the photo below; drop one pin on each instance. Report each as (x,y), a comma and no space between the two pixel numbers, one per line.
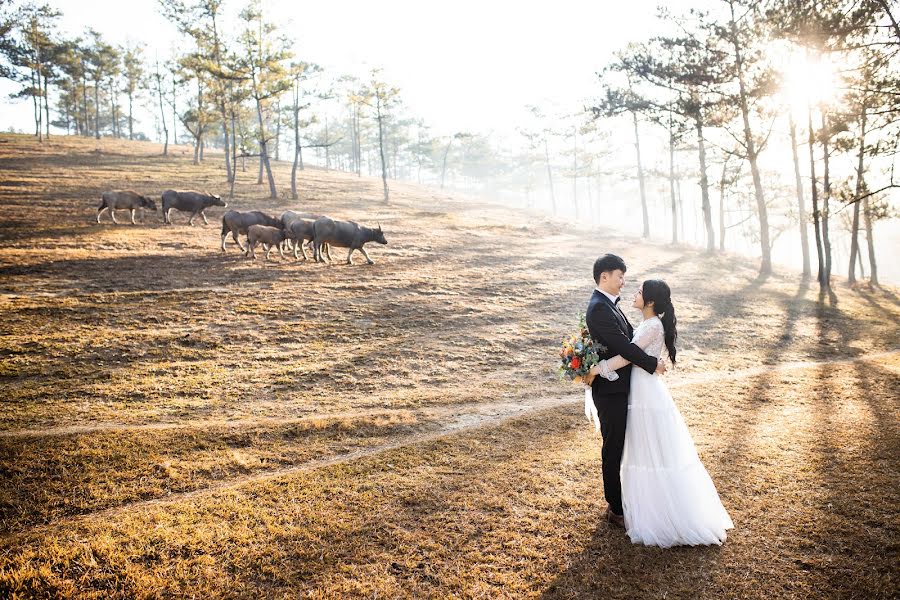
(723,85)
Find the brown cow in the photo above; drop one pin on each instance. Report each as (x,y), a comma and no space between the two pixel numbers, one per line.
(269,237)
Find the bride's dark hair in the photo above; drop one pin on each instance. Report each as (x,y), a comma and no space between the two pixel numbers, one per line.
(657,291)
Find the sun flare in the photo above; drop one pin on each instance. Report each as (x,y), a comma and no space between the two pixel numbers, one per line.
(809,82)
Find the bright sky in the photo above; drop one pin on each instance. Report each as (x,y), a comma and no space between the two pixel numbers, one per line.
(464,65)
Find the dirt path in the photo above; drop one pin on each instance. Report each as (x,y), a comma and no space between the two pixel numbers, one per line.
(457,421)
(488,415)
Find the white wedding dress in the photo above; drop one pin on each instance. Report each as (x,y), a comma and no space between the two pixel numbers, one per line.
(668,497)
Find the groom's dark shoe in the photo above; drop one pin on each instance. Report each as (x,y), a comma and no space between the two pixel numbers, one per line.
(615,519)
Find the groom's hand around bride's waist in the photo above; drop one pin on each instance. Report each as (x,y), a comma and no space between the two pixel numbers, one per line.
(661,367)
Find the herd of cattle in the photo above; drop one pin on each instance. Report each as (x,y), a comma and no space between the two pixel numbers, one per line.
(292,229)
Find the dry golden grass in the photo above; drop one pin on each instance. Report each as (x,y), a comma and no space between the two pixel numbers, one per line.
(179,422)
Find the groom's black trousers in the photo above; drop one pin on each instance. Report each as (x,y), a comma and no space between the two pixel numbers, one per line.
(613,412)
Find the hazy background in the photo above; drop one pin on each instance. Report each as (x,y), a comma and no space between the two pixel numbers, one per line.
(477,67)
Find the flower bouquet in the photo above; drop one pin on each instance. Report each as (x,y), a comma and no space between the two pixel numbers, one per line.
(578,354)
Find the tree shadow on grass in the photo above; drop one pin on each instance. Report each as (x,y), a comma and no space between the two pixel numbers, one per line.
(191,268)
(877,297)
(854,456)
(589,576)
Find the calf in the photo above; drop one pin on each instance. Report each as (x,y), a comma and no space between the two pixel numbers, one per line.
(123,199)
(345,234)
(236,223)
(193,202)
(269,237)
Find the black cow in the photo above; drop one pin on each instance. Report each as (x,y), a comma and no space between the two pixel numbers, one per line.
(193,202)
(236,222)
(123,200)
(345,234)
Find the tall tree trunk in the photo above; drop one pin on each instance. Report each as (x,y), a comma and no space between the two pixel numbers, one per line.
(590,196)
(68,115)
(113,107)
(294,195)
(131,117)
(221,96)
(873,266)
(259,178)
(637,146)
(820,275)
(854,246)
(549,173)
(87,128)
(801,203)
(72,111)
(40,96)
(277,129)
(860,186)
(887,10)
(36,101)
(263,151)
(765,246)
(174,113)
(722,206)
(444,166)
(162,111)
(46,107)
(198,139)
(575,172)
(826,198)
(233,155)
(229,171)
(352,140)
(358,144)
(327,143)
(680,206)
(97,108)
(381,149)
(704,190)
(672,181)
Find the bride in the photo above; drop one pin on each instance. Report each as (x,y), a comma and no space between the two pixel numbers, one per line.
(667,495)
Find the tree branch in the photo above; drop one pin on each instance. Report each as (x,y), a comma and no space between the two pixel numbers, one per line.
(887,10)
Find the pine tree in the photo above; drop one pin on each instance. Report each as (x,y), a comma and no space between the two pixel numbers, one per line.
(264,62)
(381,97)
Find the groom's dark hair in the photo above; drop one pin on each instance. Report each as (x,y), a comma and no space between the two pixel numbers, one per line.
(607,263)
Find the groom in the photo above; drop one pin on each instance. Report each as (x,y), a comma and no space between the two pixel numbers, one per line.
(609,327)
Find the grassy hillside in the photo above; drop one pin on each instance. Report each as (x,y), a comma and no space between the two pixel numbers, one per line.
(177,420)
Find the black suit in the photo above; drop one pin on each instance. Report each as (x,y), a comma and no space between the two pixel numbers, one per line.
(609,327)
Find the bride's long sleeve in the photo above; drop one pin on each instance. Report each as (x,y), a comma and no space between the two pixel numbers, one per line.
(643,338)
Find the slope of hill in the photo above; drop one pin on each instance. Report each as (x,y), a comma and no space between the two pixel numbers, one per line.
(181,420)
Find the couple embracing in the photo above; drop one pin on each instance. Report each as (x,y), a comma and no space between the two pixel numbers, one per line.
(653,480)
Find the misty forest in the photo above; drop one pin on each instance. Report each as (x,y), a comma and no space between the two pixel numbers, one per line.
(191,408)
